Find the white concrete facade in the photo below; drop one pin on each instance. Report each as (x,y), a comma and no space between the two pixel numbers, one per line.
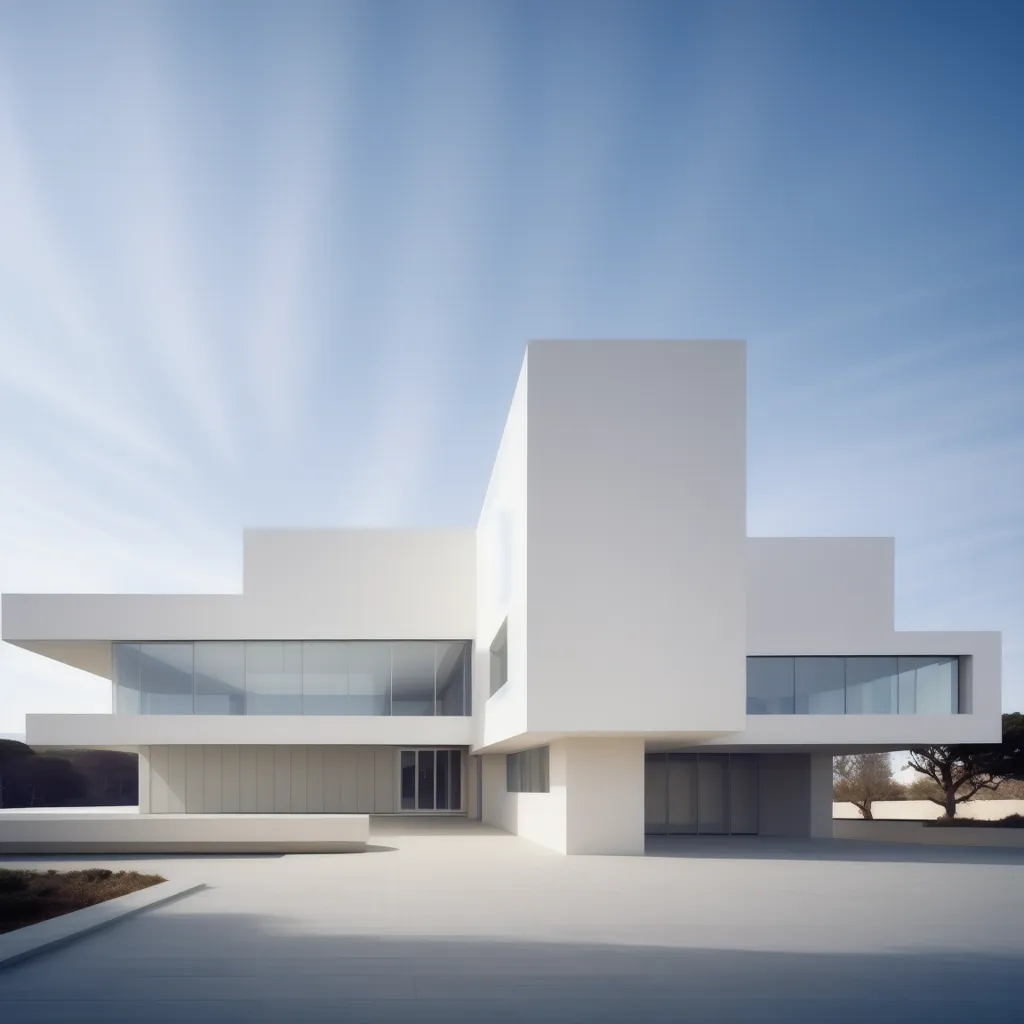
(610,602)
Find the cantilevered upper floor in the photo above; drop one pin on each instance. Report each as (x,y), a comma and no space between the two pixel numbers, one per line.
(608,588)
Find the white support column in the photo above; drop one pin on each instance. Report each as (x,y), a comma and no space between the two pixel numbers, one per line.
(821,796)
(604,795)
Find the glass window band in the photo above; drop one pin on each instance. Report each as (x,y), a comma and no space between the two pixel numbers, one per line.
(408,678)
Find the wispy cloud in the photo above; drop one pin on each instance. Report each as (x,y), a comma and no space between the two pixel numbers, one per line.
(160,233)
(309,96)
(277,263)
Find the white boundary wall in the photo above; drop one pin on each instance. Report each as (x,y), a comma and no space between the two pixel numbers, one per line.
(925,810)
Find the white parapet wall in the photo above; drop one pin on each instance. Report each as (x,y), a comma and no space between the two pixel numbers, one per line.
(183,833)
(929,835)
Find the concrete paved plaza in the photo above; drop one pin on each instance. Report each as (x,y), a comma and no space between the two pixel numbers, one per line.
(450,921)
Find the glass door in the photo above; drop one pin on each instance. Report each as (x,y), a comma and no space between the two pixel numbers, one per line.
(430,780)
(425,780)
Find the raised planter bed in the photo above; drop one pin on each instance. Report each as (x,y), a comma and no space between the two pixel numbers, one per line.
(28,897)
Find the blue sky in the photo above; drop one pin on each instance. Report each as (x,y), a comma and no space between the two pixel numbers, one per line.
(275,264)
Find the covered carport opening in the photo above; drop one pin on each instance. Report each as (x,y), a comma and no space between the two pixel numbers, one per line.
(710,792)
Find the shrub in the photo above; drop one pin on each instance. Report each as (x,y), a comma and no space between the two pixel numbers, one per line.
(1011,821)
(30,896)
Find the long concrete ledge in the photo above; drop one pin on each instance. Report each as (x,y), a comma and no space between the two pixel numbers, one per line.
(38,938)
(183,833)
(918,832)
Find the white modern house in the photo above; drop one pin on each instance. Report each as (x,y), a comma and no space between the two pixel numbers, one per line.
(605,655)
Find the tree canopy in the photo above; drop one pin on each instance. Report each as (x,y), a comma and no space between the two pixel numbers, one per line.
(962,771)
(861,779)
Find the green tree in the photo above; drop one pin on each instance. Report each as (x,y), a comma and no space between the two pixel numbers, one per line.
(961,772)
(862,779)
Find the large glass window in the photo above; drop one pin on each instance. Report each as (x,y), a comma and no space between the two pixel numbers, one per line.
(369,679)
(292,677)
(324,678)
(771,686)
(713,794)
(707,793)
(928,686)
(407,768)
(412,679)
(528,771)
(871,686)
(861,685)
(452,674)
(166,671)
(681,793)
(273,677)
(820,686)
(430,780)
(743,796)
(220,678)
(127,679)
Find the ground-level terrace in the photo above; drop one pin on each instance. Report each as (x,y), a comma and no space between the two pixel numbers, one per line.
(579,795)
(449,919)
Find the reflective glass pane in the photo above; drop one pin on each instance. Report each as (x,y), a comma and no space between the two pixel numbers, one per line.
(743,794)
(535,770)
(452,661)
(655,794)
(455,780)
(166,671)
(220,677)
(820,686)
(441,781)
(928,685)
(324,678)
(906,686)
(408,780)
(127,679)
(712,794)
(682,794)
(425,792)
(871,686)
(770,686)
(412,678)
(369,678)
(954,686)
(273,677)
(511,773)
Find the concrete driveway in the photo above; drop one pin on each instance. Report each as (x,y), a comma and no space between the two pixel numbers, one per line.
(450,921)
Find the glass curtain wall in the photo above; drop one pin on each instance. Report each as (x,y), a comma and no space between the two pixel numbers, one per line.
(153,679)
(291,677)
(879,685)
(700,794)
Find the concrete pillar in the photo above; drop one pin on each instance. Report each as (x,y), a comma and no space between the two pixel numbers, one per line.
(821,796)
(594,803)
(604,794)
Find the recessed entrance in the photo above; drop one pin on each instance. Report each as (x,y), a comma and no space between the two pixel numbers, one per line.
(700,794)
(430,780)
